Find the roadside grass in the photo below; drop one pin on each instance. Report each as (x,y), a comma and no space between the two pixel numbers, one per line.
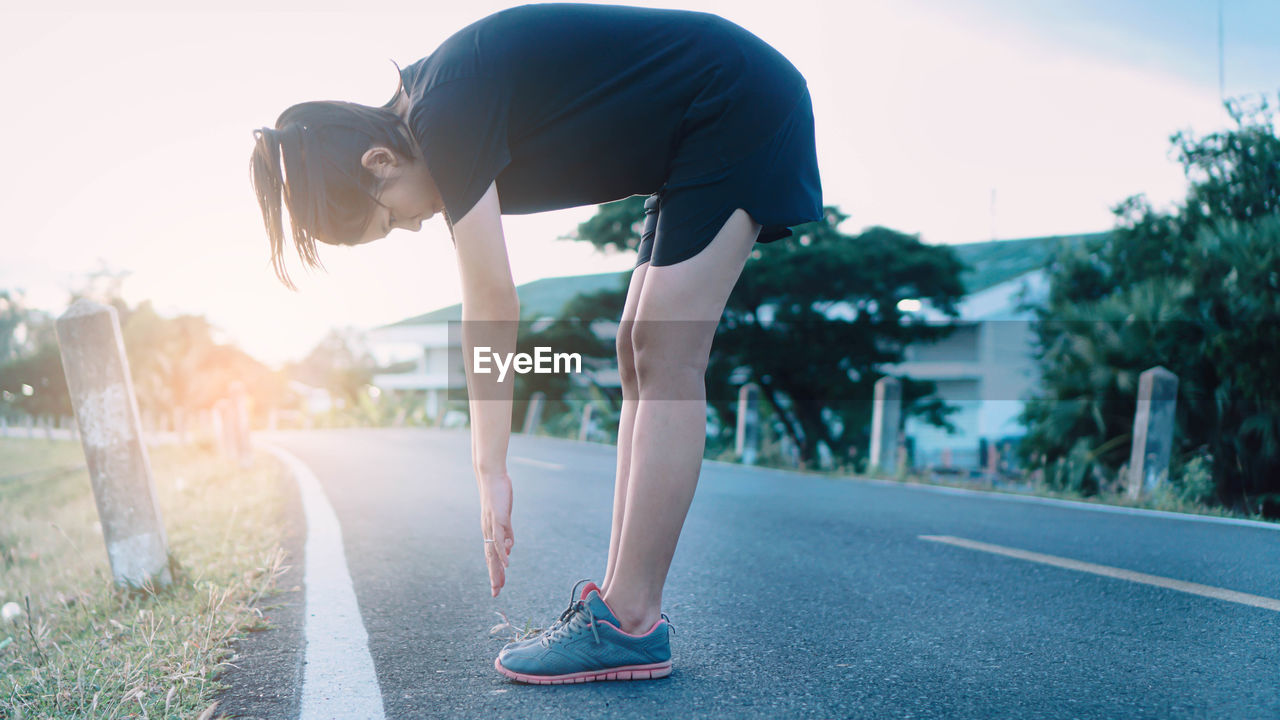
(21,456)
(84,647)
(1168,497)
(511,633)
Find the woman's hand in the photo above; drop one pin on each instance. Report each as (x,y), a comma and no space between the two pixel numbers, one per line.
(495,522)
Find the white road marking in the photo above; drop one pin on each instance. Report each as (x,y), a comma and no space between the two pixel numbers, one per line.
(1077,504)
(1181,585)
(537,463)
(339,680)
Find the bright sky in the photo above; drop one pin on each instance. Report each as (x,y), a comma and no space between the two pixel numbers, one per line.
(127,135)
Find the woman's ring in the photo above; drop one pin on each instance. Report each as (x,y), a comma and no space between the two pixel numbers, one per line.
(489,540)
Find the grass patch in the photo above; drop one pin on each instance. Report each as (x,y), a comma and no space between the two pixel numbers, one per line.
(87,648)
(21,456)
(1165,497)
(1182,497)
(508,632)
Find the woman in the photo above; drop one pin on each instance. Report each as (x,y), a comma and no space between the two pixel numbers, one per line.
(548,106)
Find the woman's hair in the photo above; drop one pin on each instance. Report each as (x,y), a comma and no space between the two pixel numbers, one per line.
(330,195)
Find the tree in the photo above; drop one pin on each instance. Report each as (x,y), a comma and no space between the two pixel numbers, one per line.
(35,362)
(340,363)
(174,362)
(1194,289)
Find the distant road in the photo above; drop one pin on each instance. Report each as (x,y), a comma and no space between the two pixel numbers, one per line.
(795,595)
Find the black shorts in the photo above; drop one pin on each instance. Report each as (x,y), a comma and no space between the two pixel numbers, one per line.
(777,183)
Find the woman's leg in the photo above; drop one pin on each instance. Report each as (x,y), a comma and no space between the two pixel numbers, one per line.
(679,308)
(630,395)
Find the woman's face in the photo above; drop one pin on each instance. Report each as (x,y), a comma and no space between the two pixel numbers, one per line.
(408,194)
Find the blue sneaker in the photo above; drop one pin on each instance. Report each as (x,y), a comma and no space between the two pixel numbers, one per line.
(588,644)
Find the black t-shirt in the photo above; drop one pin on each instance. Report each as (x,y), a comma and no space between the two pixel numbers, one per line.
(568,104)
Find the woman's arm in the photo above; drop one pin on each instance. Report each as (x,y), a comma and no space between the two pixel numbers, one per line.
(490,311)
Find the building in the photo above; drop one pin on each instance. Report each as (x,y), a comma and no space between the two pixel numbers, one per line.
(416,351)
(986,367)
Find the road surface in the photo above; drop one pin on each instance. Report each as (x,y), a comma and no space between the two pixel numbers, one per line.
(792,595)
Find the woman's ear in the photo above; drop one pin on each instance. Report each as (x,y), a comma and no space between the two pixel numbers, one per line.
(379,160)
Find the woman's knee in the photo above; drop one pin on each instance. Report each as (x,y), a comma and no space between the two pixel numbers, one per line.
(670,351)
(627,363)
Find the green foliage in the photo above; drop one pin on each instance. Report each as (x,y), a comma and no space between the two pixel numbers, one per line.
(339,364)
(577,329)
(1194,483)
(615,225)
(174,362)
(1195,290)
(816,367)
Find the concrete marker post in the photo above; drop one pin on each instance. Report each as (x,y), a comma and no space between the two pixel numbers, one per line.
(217,422)
(97,372)
(533,416)
(1153,422)
(746,440)
(239,408)
(885,413)
(584,429)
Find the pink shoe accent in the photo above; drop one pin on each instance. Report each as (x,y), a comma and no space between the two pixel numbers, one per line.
(588,588)
(624,672)
(624,632)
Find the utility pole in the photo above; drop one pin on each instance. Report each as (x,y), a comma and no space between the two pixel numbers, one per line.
(993,214)
(1222,95)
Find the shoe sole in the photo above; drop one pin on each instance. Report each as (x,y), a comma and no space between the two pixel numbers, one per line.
(624,672)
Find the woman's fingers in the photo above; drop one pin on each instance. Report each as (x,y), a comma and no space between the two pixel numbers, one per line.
(500,544)
(495,522)
(497,578)
(493,554)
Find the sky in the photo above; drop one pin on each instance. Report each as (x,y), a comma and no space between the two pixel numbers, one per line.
(127,136)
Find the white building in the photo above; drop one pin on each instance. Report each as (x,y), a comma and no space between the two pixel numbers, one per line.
(429,362)
(985,368)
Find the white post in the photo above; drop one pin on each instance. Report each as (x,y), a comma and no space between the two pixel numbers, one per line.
(886,410)
(239,409)
(1153,422)
(97,372)
(746,440)
(533,416)
(584,430)
(218,418)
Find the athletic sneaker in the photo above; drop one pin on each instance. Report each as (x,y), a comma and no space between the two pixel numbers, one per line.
(588,644)
(564,616)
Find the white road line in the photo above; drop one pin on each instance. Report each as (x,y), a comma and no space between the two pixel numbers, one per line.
(1077,504)
(537,463)
(1180,585)
(338,676)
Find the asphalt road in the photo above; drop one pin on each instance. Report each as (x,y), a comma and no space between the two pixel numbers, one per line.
(796,595)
